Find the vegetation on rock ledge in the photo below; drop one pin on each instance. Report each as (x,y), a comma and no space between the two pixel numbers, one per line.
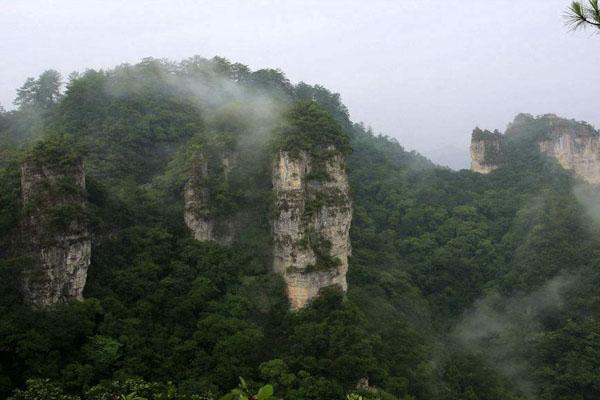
(434,251)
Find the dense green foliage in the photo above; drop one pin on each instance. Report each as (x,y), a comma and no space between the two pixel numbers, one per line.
(461,286)
(308,128)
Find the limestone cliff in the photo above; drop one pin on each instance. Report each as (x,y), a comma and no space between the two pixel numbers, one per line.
(486,150)
(575,146)
(55,234)
(199,214)
(311,225)
(196,200)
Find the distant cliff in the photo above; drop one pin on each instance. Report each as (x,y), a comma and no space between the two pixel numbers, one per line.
(55,235)
(575,145)
(486,150)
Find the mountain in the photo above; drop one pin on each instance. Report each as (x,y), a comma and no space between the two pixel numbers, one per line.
(575,145)
(167,228)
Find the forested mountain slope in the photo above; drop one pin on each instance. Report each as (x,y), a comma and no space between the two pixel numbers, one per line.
(459,285)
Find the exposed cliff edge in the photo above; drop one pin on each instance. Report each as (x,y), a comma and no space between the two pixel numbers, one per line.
(290,188)
(486,150)
(55,233)
(199,213)
(195,197)
(311,225)
(575,145)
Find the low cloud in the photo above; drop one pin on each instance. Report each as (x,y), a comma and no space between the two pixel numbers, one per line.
(503,329)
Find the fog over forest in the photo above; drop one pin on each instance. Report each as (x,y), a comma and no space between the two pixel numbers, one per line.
(424,72)
(299,200)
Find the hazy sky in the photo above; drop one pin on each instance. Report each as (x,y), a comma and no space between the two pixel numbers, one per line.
(425,72)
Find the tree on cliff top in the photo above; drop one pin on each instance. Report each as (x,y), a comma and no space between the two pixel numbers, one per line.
(309,127)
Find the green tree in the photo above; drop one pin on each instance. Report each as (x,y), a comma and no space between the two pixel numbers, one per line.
(41,389)
(579,15)
(42,93)
(243,392)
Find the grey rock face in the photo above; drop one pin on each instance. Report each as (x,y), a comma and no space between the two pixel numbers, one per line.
(197,208)
(55,232)
(486,149)
(196,198)
(311,223)
(576,147)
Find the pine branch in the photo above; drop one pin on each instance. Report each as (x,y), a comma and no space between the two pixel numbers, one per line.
(580,16)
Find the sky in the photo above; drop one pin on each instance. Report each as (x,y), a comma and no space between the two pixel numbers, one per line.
(424,72)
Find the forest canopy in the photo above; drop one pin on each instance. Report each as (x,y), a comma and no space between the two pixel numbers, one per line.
(460,286)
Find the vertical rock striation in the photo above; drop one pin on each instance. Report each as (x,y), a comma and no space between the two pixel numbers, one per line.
(196,200)
(575,146)
(486,150)
(56,236)
(199,215)
(311,225)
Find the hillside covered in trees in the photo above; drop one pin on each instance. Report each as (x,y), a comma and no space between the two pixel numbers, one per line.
(459,285)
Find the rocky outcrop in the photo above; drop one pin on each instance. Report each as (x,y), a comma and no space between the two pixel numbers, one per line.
(486,150)
(311,225)
(196,200)
(199,214)
(575,146)
(55,233)
(229,160)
